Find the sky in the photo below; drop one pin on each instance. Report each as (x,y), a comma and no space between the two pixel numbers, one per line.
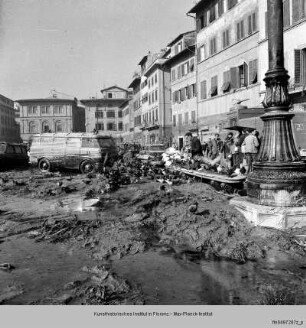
(79,47)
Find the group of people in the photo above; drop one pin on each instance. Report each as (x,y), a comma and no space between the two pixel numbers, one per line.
(233,152)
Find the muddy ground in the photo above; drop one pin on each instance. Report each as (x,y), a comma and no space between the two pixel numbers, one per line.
(67,238)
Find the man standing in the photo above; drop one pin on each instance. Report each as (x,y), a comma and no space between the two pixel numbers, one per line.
(195,145)
(216,145)
(251,148)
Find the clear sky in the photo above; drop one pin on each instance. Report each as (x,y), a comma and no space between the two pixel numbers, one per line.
(79,47)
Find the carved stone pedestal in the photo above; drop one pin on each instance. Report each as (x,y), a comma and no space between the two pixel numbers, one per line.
(270,216)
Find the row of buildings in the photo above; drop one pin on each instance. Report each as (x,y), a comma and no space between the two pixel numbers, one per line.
(204,80)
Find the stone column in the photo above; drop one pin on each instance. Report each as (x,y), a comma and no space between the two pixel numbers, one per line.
(279,177)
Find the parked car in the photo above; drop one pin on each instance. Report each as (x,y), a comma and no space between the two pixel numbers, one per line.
(13,154)
(85,152)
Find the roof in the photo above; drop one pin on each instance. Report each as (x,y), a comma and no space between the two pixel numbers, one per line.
(135,82)
(181,53)
(178,38)
(124,103)
(114,87)
(70,134)
(198,7)
(47,100)
(157,64)
(143,60)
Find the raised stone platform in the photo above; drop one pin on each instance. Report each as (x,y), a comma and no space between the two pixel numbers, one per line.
(270,216)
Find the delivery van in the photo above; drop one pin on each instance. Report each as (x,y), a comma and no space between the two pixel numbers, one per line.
(86,152)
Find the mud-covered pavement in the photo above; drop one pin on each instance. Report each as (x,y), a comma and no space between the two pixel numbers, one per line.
(67,238)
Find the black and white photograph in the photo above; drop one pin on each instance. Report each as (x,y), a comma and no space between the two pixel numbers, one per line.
(153,161)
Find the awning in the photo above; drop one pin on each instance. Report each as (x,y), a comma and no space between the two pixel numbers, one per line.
(239,128)
(226,86)
(213,91)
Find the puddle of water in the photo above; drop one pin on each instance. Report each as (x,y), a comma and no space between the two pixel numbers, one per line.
(167,280)
(75,203)
(40,268)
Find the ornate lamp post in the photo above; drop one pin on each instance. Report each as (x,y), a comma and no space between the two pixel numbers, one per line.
(279,177)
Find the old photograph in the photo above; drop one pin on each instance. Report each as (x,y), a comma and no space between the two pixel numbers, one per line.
(153,152)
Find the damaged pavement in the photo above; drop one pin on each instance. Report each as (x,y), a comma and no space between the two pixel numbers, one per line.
(69,238)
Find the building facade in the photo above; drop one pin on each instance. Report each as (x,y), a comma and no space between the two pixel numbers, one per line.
(227,60)
(50,114)
(104,114)
(183,86)
(9,129)
(155,92)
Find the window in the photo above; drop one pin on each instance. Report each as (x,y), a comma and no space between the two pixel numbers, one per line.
(32,127)
(231,4)
(226,86)
(58,110)
(156,98)
(45,127)
(120,113)
(32,110)
(203,90)
(220,7)
(109,95)
(212,14)
(300,66)
(286,13)
(111,126)
(45,109)
(100,127)
(186,68)
(180,121)
(213,46)
(225,39)
(214,86)
(240,30)
(243,75)
(186,118)
(253,71)
(156,78)
(298,10)
(174,120)
(156,115)
(201,53)
(99,114)
(193,117)
(110,113)
(120,126)
(179,46)
(173,75)
(252,23)
(58,126)
(202,21)
(191,65)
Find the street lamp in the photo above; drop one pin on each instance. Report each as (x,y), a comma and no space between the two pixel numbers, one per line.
(279,177)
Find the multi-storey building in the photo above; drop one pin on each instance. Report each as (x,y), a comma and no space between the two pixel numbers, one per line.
(50,114)
(135,109)
(127,136)
(183,85)
(104,114)
(9,129)
(227,60)
(155,97)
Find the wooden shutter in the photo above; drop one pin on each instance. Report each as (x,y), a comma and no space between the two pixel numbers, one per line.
(234,77)
(203,90)
(220,7)
(242,29)
(297,66)
(254,21)
(198,55)
(286,13)
(238,31)
(251,71)
(250,24)
(245,72)
(295,10)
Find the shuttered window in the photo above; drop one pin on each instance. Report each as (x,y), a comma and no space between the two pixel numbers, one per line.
(240,30)
(234,77)
(232,3)
(213,46)
(225,39)
(180,120)
(203,90)
(253,71)
(214,86)
(174,120)
(286,13)
(298,10)
(252,23)
(212,14)
(300,66)
(220,7)
(226,86)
